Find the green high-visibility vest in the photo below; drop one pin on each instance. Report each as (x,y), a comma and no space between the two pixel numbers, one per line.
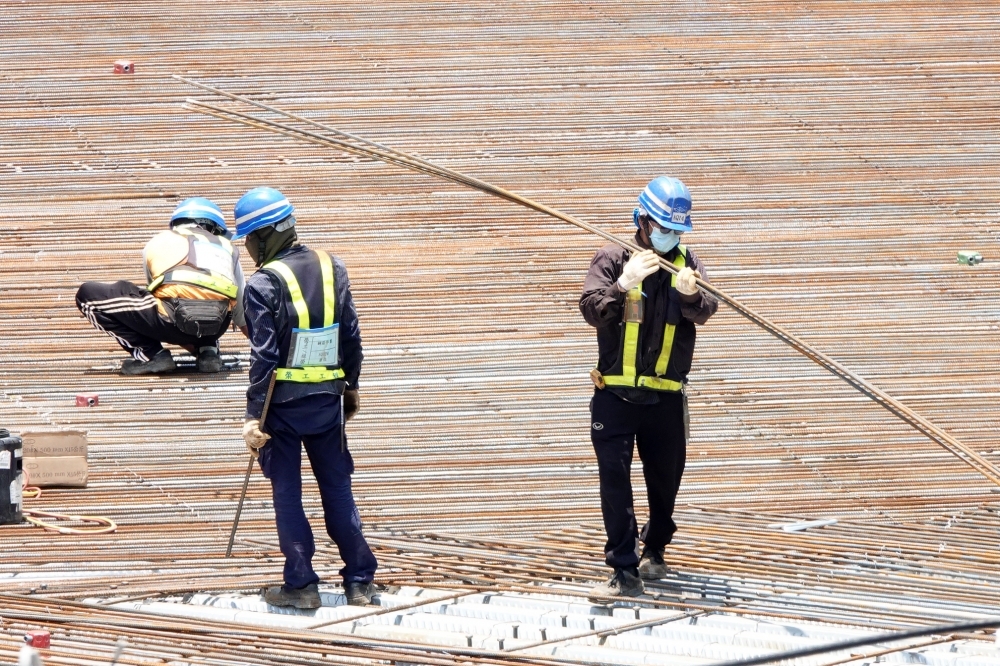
(630,346)
(309,375)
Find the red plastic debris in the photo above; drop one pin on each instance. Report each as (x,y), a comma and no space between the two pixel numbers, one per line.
(37,638)
(124,67)
(83,400)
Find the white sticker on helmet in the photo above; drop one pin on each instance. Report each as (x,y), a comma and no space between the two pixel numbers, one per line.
(679,216)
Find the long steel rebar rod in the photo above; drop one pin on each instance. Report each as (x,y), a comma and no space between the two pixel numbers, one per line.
(246,477)
(357,145)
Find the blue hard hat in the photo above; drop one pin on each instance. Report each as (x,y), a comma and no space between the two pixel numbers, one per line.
(668,201)
(260,207)
(197,208)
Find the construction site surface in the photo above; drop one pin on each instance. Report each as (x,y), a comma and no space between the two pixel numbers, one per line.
(840,157)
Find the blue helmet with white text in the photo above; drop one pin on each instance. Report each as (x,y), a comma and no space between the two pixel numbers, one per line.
(668,201)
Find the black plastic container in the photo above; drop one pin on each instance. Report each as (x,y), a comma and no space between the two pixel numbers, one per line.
(10,478)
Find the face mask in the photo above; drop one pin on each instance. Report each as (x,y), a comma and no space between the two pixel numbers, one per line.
(265,243)
(253,248)
(663,241)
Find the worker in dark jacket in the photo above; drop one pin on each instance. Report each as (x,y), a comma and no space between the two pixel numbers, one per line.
(645,318)
(303,328)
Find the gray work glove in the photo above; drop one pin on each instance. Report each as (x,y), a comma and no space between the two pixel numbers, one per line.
(253,436)
(352,403)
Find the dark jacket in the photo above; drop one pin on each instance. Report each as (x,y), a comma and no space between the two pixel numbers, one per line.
(269,325)
(602,303)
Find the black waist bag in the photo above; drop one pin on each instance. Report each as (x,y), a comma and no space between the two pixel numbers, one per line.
(200,318)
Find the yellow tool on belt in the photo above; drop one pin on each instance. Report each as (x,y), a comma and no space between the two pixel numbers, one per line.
(597,378)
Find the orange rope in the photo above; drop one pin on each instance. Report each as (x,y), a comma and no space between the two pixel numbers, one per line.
(33,516)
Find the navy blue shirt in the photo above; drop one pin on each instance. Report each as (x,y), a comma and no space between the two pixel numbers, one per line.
(267,322)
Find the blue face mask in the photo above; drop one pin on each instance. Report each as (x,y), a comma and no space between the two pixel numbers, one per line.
(663,241)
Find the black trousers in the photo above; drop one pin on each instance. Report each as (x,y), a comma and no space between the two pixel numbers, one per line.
(616,428)
(128,313)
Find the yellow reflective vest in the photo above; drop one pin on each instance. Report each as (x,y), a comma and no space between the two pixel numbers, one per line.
(310,293)
(630,341)
(185,257)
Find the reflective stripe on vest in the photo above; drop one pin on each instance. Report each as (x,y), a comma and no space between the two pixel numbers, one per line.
(630,347)
(319,374)
(188,273)
(307,375)
(214,283)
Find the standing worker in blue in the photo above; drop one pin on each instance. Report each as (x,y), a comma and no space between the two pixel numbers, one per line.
(194,288)
(645,318)
(303,327)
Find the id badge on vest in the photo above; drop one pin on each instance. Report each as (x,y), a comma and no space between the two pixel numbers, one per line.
(314,347)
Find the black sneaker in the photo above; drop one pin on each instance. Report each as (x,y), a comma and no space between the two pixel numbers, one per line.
(359,594)
(161,362)
(652,566)
(209,360)
(303,597)
(621,584)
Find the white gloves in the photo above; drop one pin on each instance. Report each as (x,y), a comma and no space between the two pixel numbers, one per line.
(685,281)
(253,436)
(641,265)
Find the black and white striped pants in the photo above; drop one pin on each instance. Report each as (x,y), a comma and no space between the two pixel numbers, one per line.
(128,313)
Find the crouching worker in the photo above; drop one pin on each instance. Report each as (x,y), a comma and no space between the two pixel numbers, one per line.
(303,328)
(194,289)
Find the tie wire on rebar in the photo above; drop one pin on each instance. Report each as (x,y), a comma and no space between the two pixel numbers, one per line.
(359,146)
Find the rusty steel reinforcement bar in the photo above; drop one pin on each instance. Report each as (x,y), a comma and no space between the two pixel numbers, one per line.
(356,145)
(246,477)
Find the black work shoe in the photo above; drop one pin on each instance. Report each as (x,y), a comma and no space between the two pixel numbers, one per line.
(359,594)
(209,360)
(652,566)
(161,362)
(303,597)
(621,584)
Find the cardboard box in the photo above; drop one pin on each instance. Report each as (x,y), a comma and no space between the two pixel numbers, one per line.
(56,471)
(55,458)
(54,444)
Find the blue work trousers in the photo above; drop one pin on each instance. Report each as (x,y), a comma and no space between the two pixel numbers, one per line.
(617,428)
(315,422)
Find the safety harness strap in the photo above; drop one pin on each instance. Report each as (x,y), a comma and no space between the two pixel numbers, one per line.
(329,292)
(294,291)
(214,283)
(630,346)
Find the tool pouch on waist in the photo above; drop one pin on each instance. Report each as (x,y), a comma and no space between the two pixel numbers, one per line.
(200,318)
